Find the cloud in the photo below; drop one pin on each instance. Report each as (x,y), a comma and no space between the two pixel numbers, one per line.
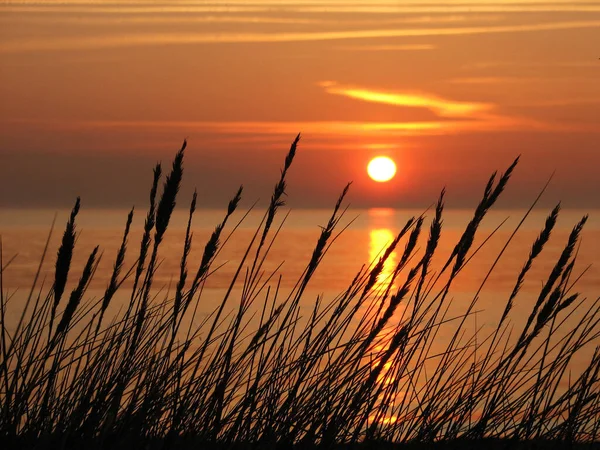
(93,16)
(145,39)
(572,101)
(287,128)
(158,19)
(121,8)
(494,80)
(310,6)
(462,8)
(507,80)
(440,106)
(536,64)
(455,116)
(384,48)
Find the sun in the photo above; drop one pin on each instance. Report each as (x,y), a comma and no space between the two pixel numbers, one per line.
(381,169)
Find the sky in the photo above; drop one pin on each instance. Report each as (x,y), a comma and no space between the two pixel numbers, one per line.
(94,93)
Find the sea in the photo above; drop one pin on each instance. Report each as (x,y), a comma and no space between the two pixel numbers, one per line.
(501,246)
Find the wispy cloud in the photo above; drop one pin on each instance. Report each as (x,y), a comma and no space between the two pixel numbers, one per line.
(440,106)
(537,64)
(92,16)
(143,39)
(559,102)
(160,19)
(464,7)
(126,8)
(287,128)
(381,7)
(387,48)
(454,116)
(512,80)
(494,80)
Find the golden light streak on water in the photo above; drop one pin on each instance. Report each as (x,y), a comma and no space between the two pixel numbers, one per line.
(379,239)
(381,235)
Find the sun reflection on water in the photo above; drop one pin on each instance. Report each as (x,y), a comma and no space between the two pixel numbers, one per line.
(381,235)
(379,240)
(382,232)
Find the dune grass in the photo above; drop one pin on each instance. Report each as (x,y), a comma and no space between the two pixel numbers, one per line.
(257,373)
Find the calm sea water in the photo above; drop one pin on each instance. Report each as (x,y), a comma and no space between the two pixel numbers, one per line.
(24,233)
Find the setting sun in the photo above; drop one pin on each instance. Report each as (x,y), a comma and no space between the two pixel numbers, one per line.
(381,169)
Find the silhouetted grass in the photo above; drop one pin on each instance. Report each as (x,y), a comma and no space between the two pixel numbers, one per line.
(356,373)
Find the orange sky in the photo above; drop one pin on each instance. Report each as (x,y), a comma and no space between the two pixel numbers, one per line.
(92,93)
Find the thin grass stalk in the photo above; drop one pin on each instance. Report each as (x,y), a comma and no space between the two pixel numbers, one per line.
(63,263)
(542,315)
(183,265)
(113,284)
(276,202)
(146,237)
(164,210)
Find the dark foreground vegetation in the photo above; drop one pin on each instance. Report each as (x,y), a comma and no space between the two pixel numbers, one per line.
(263,371)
